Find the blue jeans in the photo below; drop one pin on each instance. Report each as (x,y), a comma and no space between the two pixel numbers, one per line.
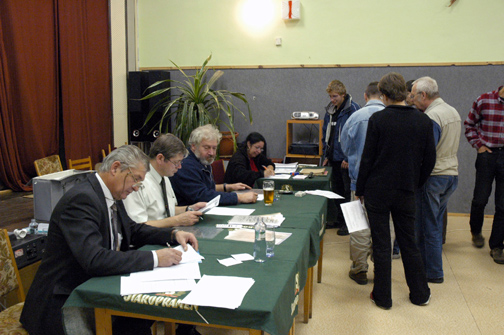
(489,166)
(431,201)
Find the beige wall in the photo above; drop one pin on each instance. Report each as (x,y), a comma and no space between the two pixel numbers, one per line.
(329,32)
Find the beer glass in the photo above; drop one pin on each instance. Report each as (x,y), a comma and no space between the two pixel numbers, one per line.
(269,192)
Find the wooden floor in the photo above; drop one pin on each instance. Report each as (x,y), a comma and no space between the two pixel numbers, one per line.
(16,211)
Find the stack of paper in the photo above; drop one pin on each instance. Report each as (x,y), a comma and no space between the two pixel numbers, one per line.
(247,235)
(272,220)
(219,291)
(285,168)
(179,277)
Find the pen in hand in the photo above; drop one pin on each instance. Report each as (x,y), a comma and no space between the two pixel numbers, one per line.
(192,210)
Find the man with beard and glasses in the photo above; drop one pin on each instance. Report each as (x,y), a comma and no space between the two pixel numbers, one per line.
(195,182)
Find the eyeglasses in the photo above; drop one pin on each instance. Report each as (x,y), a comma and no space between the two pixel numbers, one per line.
(257,148)
(177,164)
(137,183)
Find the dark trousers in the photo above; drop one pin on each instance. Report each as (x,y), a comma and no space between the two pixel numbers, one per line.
(401,204)
(340,184)
(489,166)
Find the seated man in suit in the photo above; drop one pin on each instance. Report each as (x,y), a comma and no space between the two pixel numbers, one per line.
(195,182)
(155,203)
(90,235)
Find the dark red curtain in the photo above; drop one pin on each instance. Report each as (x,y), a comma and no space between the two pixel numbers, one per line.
(54,70)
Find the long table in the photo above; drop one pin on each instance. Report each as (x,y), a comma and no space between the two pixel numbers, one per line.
(271,303)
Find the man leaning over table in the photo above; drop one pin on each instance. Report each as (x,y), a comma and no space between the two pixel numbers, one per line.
(195,181)
(153,205)
(90,235)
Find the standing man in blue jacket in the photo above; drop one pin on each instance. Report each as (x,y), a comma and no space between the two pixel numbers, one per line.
(353,138)
(194,182)
(337,113)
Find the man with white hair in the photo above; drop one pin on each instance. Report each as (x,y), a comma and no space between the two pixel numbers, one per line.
(432,197)
(195,182)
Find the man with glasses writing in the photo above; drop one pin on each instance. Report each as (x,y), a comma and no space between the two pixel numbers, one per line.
(155,203)
(90,235)
(195,181)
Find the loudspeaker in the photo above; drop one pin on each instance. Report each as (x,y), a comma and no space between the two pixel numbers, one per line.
(138,82)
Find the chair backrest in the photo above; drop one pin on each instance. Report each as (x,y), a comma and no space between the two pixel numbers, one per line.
(80,164)
(104,154)
(48,164)
(218,171)
(9,274)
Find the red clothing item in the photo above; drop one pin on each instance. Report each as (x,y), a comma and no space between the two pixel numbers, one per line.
(253,166)
(485,123)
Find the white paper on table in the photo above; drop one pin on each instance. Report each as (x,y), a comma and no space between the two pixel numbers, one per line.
(286,165)
(285,170)
(300,176)
(229,261)
(278,176)
(131,285)
(230,211)
(248,235)
(211,204)
(327,194)
(354,215)
(189,256)
(260,197)
(180,271)
(219,291)
(243,257)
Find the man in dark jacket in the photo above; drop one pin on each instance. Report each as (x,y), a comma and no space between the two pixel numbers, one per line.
(194,182)
(337,112)
(90,235)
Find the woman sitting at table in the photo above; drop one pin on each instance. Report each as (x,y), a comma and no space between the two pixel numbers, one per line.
(249,162)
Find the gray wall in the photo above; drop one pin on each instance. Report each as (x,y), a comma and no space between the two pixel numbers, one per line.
(275,93)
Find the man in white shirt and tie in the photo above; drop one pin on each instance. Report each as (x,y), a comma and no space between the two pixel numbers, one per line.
(153,205)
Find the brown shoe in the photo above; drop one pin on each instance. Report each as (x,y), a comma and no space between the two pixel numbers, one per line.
(497,255)
(360,278)
(478,240)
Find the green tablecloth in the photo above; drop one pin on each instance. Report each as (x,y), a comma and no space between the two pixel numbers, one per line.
(315,183)
(271,303)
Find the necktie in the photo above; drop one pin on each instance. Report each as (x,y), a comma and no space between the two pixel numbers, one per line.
(165,199)
(115,226)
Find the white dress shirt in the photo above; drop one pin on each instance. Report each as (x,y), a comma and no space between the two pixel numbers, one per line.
(147,203)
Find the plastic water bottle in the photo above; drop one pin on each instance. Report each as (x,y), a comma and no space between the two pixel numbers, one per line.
(33,226)
(260,241)
(270,241)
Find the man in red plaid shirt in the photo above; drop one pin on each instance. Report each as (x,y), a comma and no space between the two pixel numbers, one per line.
(484,129)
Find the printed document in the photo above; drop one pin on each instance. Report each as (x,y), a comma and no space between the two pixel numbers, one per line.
(355,217)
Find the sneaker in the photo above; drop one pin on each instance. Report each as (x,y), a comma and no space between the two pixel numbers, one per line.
(497,255)
(343,231)
(423,303)
(374,302)
(360,278)
(436,280)
(478,240)
(396,256)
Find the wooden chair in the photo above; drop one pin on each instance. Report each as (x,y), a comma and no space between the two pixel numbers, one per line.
(104,154)
(10,281)
(48,164)
(218,171)
(80,164)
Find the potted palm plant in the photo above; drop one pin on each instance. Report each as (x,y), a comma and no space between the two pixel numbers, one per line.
(194,103)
